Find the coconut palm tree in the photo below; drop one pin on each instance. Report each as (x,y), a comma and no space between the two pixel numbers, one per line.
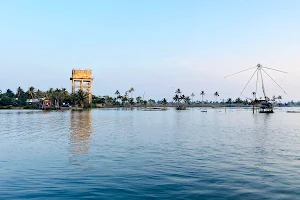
(178,91)
(117,93)
(119,98)
(39,94)
(82,97)
(192,95)
(216,94)
(202,94)
(254,95)
(124,99)
(131,101)
(229,101)
(20,92)
(182,97)
(9,93)
(31,92)
(138,99)
(131,91)
(64,94)
(151,101)
(187,100)
(279,98)
(50,94)
(164,101)
(176,99)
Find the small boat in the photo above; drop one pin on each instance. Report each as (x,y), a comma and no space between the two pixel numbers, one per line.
(77,109)
(266,111)
(293,111)
(203,110)
(65,107)
(181,107)
(154,109)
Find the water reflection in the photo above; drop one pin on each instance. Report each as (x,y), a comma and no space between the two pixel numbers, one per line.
(81,130)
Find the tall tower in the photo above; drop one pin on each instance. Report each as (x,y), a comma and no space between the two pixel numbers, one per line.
(82,79)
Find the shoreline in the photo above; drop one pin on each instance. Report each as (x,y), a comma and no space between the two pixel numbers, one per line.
(147,106)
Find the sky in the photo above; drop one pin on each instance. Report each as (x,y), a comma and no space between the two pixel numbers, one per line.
(154,46)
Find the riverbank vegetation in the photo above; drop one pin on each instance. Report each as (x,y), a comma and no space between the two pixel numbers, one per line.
(33,98)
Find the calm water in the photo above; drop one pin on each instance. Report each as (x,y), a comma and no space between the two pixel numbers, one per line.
(134,154)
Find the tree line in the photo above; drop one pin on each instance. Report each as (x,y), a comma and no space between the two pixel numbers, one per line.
(57,97)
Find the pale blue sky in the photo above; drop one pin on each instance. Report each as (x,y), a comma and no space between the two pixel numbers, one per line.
(153,46)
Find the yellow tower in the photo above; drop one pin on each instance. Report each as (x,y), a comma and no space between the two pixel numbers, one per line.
(82,79)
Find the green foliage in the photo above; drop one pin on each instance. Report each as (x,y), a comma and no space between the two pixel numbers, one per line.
(31,107)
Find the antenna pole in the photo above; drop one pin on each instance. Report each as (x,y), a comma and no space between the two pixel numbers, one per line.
(262,84)
(256,84)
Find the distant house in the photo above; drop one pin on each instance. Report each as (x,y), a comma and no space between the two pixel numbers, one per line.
(33,101)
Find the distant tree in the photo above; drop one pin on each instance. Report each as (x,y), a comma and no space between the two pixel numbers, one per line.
(182,98)
(20,93)
(229,101)
(82,97)
(216,94)
(254,95)
(202,94)
(279,98)
(117,93)
(178,91)
(9,93)
(238,100)
(39,94)
(139,100)
(151,101)
(131,90)
(131,101)
(31,92)
(192,95)
(164,101)
(176,99)
(187,100)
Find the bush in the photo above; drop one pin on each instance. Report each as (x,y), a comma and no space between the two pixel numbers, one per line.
(31,107)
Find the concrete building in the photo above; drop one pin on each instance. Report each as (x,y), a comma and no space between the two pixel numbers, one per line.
(82,79)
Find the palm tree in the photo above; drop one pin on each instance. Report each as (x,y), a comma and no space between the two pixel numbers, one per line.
(182,97)
(119,97)
(164,101)
(216,94)
(176,99)
(192,95)
(187,100)
(64,94)
(82,97)
(178,91)
(124,99)
(131,91)
(9,93)
(57,93)
(229,101)
(138,99)
(50,94)
(279,98)
(254,95)
(131,101)
(39,94)
(202,94)
(117,93)
(20,92)
(151,101)
(31,91)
